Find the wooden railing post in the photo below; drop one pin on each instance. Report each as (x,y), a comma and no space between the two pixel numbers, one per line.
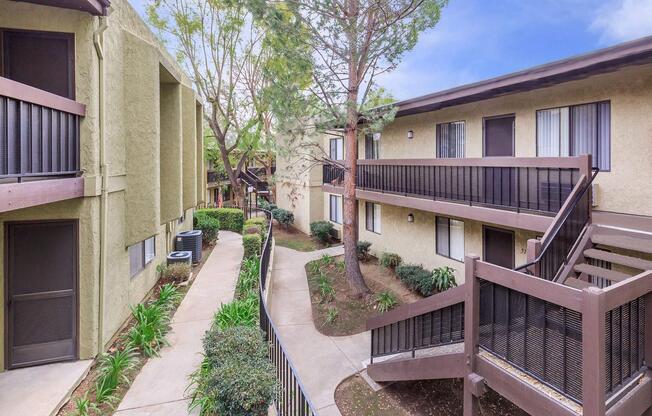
(593,352)
(533,251)
(471,332)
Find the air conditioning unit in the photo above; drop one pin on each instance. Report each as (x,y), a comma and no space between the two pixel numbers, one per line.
(180,257)
(594,194)
(335,233)
(190,241)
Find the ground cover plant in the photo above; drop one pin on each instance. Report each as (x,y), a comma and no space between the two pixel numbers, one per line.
(295,239)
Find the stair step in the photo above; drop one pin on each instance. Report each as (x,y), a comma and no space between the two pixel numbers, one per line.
(578,283)
(622,241)
(628,261)
(612,275)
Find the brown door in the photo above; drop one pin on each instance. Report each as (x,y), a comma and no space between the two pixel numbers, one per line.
(499,136)
(42,279)
(498,246)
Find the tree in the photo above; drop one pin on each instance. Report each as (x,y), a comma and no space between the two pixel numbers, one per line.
(226,53)
(350,43)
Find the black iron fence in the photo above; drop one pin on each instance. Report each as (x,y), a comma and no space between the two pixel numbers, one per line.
(37,141)
(291,399)
(432,329)
(540,189)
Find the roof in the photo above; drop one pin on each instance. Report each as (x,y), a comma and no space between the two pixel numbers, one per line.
(609,59)
(94,7)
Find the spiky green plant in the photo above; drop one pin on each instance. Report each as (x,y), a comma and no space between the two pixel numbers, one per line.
(331,315)
(385,301)
(238,312)
(168,296)
(148,332)
(113,370)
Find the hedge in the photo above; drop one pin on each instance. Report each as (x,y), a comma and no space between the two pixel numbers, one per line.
(321,230)
(231,219)
(252,244)
(209,227)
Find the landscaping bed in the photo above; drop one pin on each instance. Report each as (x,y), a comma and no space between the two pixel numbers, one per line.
(83,400)
(334,312)
(415,398)
(292,238)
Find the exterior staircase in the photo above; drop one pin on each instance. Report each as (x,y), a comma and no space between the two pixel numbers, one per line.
(260,187)
(568,333)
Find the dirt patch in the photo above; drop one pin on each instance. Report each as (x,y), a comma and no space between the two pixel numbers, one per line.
(415,398)
(292,238)
(351,314)
(87,386)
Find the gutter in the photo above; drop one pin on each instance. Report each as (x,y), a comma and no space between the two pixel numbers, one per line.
(98,41)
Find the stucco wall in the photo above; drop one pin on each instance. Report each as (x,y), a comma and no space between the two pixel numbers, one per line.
(133,57)
(623,189)
(171,147)
(189,125)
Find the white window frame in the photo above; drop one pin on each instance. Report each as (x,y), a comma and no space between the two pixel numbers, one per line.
(450,236)
(144,252)
(374,211)
(339,148)
(335,217)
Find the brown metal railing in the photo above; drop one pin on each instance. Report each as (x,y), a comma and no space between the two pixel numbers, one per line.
(291,399)
(531,184)
(39,133)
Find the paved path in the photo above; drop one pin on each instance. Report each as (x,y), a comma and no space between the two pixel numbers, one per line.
(322,361)
(159,388)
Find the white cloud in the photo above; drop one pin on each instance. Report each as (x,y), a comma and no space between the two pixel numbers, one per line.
(623,20)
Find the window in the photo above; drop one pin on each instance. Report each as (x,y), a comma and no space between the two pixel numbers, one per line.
(336,209)
(337,149)
(372,146)
(141,254)
(372,214)
(450,139)
(450,238)
(576,130)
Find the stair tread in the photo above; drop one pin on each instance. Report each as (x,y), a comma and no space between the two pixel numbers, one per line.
(612,275)
(622,259)
(623,241)
(578,283)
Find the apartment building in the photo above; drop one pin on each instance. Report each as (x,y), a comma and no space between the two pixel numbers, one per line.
(101,164)
(533,187)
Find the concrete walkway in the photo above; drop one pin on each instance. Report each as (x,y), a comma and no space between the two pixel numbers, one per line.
(40,390)
(160,387)
(322,361)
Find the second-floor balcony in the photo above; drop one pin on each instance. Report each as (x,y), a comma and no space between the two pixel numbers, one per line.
(39,139)
(535,187)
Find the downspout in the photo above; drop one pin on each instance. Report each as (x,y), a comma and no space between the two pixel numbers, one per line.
(98,41)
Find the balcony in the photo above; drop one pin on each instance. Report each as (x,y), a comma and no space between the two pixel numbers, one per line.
(519,192)
(39,139)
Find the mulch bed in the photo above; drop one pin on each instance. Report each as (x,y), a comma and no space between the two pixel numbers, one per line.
(444,397)
(87,385)
(352,313)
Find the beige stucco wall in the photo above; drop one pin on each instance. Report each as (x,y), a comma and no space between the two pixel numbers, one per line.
(415,242)
(623,189)
(171,147)
(133,57)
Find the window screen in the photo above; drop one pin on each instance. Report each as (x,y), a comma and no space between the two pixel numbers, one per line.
(450,139)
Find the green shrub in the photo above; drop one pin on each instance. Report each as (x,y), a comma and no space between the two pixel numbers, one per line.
(148,332)
(238,312)
(444,278)
(259,221)
(168,297)
(271,207)
(326,290)
(252,244)
(331,315)
(283,216)
(416,277)
(362,247)
(385,301)
(327,260)
(231,219)
(112,369)
(321,230)
(236,377)
(314,266)
(177,272)
(390,260)
(209,227)
(84,406)
(253,229)
(248,278)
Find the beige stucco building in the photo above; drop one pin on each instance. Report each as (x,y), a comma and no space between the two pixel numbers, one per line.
(538,121)
(97,106)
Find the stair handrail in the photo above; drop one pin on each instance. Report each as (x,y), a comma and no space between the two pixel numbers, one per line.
(559,221)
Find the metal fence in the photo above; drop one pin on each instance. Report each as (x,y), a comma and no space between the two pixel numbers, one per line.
(540,189)
(37,141)
(291,399)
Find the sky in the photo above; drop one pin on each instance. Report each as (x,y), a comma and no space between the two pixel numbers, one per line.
(480,39)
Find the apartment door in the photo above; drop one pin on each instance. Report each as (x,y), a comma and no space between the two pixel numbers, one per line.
(499,136)
(41,261)
(498,246)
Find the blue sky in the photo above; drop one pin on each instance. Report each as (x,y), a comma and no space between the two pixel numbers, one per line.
(479,39)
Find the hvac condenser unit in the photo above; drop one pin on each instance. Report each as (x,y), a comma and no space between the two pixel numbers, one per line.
(180,257)
(190,241)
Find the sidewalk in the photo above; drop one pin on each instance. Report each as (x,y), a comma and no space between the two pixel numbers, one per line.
(322,361)
(160,387)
